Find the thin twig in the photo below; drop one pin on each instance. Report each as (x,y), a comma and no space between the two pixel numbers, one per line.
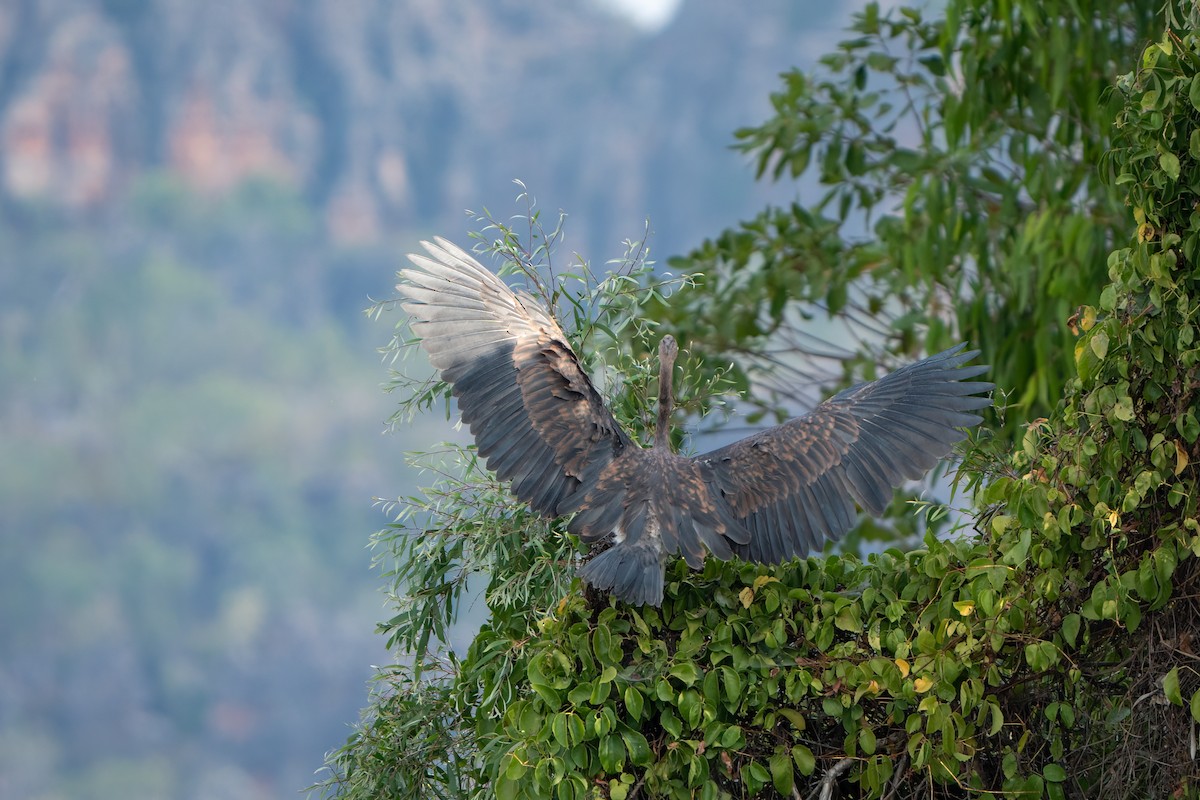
(825,791)
(633,793)
(897,777)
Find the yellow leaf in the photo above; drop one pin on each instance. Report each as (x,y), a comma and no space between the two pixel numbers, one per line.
(965,608)
(763,580)
(1114,519)
(1181,458)
(1088,319)
(922,684)
(904,668)
(747,597)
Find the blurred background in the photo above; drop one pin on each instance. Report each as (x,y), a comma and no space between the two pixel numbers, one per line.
(197,200)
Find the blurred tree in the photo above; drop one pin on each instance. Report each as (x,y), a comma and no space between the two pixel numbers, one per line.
(181,454)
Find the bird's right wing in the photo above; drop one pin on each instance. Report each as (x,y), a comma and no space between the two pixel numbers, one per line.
(794,486)
(536,417)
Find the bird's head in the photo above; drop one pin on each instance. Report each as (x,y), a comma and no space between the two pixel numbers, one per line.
(668,350)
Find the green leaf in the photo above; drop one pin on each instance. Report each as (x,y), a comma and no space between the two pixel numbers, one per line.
(847,619)
(804,759)
(881,62)
(1108,297)
(795,717)
(1034,657)
(599,693)
(1170,684)
(1015,555)
(507,788)
(1054,773)
(1196,705)
(866,740)
(512,767)
(686,671)
(1170,165)
(997,719)
(1070,628)
(634,703)
(733,738)
(639,749)
(732,683)
(612,753)
(558,727)
(756,776)
(602,644)
(548,772)
(1123,410)
(691,708)
(1188,426)
(782,776)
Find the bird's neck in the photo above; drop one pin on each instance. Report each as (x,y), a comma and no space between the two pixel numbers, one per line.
(662,432)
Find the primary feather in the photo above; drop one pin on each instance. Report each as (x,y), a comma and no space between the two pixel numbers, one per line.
(778,494)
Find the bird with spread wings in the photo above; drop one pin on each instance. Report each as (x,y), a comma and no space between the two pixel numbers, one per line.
(775,495)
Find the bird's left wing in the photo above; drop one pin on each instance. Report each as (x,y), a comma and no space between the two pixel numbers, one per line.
(794,486)
(536,417)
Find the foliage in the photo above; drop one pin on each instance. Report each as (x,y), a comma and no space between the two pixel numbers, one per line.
(959,199)
(1051,653)
(1020,662)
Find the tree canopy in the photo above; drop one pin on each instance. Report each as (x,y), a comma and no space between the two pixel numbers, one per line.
(1048,652)
(960,197)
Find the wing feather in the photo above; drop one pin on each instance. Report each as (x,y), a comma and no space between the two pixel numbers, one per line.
(536,417)
(794,486)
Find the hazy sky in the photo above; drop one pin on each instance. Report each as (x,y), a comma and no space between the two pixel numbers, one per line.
(649,14)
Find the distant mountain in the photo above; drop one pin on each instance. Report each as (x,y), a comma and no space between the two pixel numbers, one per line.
(395,116)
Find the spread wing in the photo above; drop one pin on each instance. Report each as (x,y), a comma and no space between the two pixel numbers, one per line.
(795,485)
(535,416)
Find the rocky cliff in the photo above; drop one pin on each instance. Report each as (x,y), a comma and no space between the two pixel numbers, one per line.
(388,116)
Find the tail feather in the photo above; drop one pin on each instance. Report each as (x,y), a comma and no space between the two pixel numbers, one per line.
(633,573)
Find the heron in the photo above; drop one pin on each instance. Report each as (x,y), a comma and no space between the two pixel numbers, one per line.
(775,495)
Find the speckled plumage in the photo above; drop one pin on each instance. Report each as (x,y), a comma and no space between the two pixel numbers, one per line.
(775,495)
